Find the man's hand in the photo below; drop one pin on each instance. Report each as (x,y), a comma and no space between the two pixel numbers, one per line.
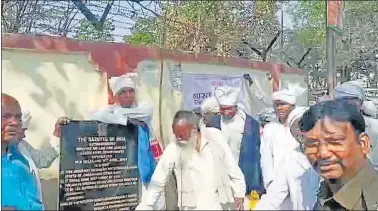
(239,203)
(59,122)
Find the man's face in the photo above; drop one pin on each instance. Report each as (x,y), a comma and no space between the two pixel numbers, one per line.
(126,97)
(184,133)
(10,121)
(282,109)
(228,112)
(335,150)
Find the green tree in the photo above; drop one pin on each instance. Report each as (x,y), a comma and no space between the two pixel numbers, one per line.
(217,27)
(86,31)
(355,47)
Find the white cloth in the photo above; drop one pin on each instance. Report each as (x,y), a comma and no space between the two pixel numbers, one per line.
(227,96)
(276,142)
(38,159)
(350,89)
(295,114)
(370,109)
(205,169)
(372,131)
(210,105)
(115,114)
(124,81)
(26,117)
(289,95)
(295,181)
(233,132)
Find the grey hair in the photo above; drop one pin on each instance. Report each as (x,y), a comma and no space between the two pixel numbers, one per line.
(189,116)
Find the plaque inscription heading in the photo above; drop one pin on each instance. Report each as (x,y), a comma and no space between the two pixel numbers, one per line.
(98,166)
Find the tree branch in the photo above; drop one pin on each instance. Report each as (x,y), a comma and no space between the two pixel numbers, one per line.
(272,42)
(253,49)
(304,56)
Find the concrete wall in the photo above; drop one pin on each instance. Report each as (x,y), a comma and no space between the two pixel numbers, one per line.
(148,90)
(58,84)
(51,86)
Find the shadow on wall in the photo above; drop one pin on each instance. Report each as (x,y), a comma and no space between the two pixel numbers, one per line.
(52,85)
(148,90)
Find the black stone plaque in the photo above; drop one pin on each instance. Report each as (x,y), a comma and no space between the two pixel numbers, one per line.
(98,166)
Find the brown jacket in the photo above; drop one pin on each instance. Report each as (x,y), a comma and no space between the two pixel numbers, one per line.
(360,193)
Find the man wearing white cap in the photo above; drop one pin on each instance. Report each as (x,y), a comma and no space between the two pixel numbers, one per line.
(277,141)
(295,182)
(210,112)
(243,135)
(355,94)
(126,109)
(37,159)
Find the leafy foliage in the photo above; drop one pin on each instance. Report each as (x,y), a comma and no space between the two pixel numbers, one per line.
(86,31)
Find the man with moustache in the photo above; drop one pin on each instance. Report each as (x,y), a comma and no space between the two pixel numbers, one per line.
(203,165)
(337,146)
(19,182)
(295,182)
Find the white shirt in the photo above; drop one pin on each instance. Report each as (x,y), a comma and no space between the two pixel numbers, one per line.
(276,142)
(295,180)
(233,132)
(38,159)
(202,171)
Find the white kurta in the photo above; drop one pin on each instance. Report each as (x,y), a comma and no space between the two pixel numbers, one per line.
(277,142)
(115,114)
(296,181)
(233,131)
(38,159)
(197,174)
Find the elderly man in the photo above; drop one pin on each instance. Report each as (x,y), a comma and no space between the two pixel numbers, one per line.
(242,133)
(277,141)
(125,110)
(355,94)
(203,165)
(295,183)
(19,183)
(337,147)
(37,159)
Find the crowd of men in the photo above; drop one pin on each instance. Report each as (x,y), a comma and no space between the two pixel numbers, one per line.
(322,157)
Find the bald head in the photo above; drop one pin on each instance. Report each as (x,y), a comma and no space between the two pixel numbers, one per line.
(8,100)
(10,118)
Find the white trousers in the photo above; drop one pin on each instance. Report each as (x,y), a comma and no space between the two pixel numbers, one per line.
(160,205)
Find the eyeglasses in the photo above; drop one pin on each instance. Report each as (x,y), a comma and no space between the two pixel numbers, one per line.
(312,146)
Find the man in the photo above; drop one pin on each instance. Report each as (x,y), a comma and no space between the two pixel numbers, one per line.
(355,94)
(37,159)
(277,141)
(295,182)
(126,109)
(19,183)
(242,133)
(210,112)
(337,146)
(203,165)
